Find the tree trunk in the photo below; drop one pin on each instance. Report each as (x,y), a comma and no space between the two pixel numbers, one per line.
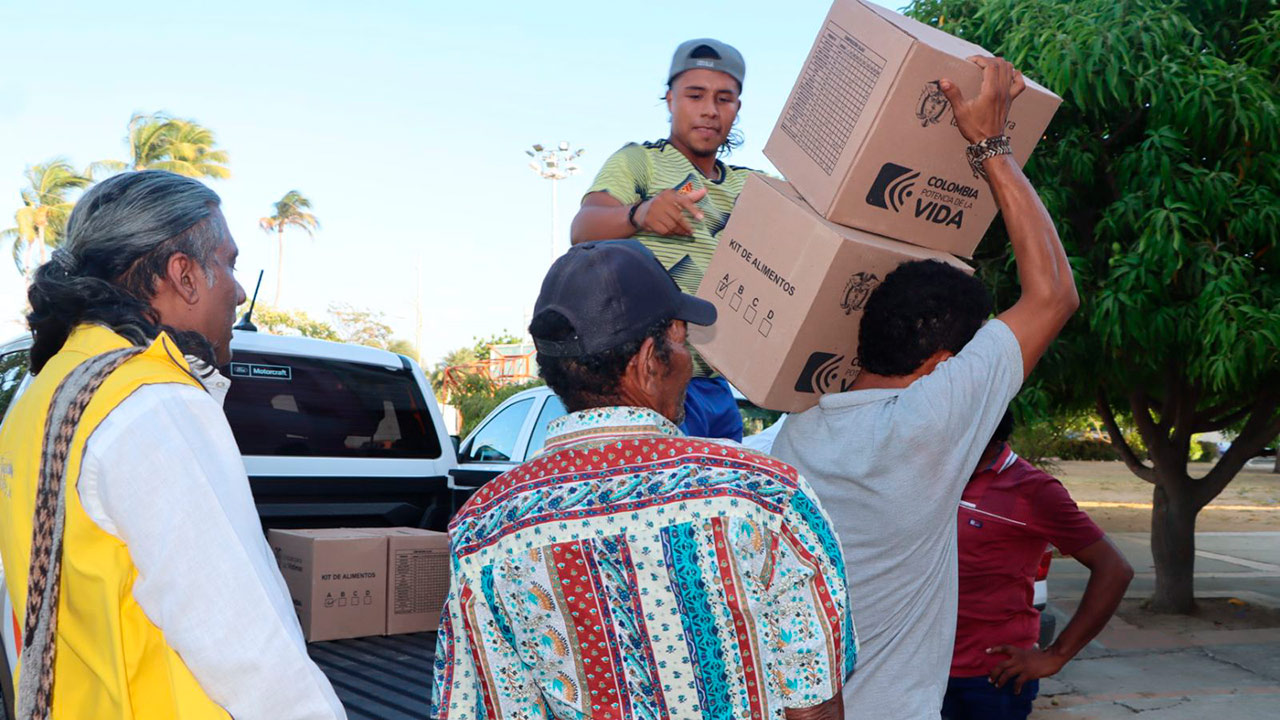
(28,261)
(1167,423)
(279,264)
(33,261)
(1173,547)
(1276,467)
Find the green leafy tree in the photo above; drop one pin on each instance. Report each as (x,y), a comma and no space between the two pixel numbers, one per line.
(351,325)
(400,346)
(361,325)
(45,208)
(481,347)
(290,211)
(158,141)
(461,357)
(464,357)
(478,396)
(277,321)
(1163,171)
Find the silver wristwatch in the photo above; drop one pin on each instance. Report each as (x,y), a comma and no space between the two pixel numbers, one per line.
(985,150)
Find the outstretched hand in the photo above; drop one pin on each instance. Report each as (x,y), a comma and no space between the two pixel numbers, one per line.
(670,212)
(985,116)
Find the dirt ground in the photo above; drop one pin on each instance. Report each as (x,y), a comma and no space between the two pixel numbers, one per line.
(1121,502)
(1215,613)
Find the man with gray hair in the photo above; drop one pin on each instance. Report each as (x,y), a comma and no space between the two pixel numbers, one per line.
(141,581)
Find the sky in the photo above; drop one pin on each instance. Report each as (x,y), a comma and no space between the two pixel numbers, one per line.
(405,123)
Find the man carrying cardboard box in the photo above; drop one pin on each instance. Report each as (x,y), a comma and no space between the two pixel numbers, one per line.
(890,458)
(675,196)
(631,571)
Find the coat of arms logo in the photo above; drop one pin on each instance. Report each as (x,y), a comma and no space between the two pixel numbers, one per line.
(933,104)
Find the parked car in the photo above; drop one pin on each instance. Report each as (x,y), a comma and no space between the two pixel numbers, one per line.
(332,435)
(516,431)
(511,433)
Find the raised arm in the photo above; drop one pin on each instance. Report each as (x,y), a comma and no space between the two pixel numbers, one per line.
(1048,288)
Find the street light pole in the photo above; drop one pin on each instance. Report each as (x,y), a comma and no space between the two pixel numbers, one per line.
(554,164)
(555,222)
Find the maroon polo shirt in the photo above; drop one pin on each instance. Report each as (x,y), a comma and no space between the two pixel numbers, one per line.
(1009,513)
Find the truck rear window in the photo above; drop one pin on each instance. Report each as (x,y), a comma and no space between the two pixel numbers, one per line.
(312,407)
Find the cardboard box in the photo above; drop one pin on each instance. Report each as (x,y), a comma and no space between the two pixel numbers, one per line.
(337,579)
(869,140)
(417,578)
(789,287)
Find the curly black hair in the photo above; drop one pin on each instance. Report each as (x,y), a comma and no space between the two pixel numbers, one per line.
(591,380)
(921,307)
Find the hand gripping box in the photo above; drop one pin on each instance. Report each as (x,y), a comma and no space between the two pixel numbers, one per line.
(789,287)
(869,140)
(337,578)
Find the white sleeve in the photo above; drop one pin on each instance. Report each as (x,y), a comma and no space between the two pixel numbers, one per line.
(162,473)
(963,399)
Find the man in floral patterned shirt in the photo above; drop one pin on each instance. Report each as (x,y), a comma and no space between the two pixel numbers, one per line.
(630,571)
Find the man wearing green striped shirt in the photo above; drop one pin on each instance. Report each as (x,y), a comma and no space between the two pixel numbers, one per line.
(675,196)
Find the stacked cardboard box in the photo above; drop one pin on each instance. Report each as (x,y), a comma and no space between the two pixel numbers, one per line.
(878,176)
(359,582)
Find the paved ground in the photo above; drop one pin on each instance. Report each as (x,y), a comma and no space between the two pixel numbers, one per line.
(1195,673)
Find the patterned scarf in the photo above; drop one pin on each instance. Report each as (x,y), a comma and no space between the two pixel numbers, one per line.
(35,684)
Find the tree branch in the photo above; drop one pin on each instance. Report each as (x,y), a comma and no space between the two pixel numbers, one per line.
(1140,404)
(1130,458)
(1157,406)
(1186,394)
(1153,434)
(1169,401)
(1221,422)
(1215,410)
(1119,134)
(1262,426)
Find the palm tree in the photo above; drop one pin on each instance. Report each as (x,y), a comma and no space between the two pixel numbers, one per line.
(42,219)
(160,142)
(291,211)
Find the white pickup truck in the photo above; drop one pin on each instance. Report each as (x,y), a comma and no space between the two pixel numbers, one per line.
(336,435)
(332,435)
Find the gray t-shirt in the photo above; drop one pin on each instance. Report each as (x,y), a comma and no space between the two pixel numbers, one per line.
(889,467)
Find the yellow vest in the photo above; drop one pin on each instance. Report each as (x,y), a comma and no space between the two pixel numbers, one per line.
(112,662)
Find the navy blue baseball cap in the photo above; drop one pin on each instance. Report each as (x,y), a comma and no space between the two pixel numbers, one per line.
(612,292)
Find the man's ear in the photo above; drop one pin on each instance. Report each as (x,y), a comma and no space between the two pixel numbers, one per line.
(933,361)
(647,367)
(670,97)
(185,277)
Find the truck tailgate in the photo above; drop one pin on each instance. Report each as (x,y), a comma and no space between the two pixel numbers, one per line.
(380,678)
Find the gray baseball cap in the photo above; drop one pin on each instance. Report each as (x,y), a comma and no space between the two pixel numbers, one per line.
(708,54)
